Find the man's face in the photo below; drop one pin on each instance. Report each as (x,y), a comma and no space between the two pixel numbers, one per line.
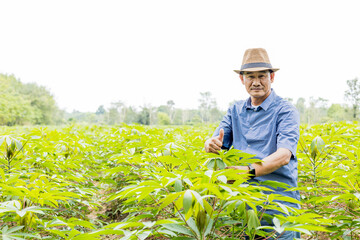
(258,84)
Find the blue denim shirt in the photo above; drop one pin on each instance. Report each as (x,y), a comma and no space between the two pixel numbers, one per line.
(274,125)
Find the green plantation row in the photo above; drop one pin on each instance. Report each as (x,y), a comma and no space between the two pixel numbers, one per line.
(136,182)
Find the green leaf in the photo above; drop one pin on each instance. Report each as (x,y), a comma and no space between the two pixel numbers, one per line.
(222,179)
(2,139)
(178,228)
(277,225)
(183,238)
(83,223)
(317,146)
(191,223)
(253,221)
(198,198)
(209,226)
(2,174)
(187,201)
(33,209)
(165,221)
(14,229)
(188,182)
(220,163)
(208,208)
(283,207)
(167,200)
(143,235)
(211,163)
(128,225)
(178,185)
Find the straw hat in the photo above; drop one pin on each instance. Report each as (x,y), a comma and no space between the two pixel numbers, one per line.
(255,59)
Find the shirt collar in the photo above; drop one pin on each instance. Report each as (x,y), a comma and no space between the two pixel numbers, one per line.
(265,104)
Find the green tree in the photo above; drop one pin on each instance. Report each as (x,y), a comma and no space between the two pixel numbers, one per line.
(101,110)
(353,95)
(163,118)
(170,104)
(120,108)
(336,112)
(26,103)
(113,116)
(15,110)
(42,102)
(300,106)
(131,115)
(207,103)
(144,116)
(317,110)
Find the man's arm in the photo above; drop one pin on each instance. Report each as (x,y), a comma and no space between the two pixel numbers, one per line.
(270,164)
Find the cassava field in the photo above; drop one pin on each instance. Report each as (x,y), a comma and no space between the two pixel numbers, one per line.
(135,182)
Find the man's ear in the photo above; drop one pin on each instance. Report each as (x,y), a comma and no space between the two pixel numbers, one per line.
(241,78)
(272,77)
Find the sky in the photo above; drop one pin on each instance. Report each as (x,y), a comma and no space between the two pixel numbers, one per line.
(89,53)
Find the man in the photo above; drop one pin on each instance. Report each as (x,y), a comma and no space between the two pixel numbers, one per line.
(264,125)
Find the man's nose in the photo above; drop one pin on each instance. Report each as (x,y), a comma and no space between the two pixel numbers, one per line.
(256,82)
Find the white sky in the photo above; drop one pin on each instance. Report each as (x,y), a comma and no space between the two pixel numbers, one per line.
(89,53)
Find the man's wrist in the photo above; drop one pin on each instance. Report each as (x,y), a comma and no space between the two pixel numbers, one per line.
(252,171)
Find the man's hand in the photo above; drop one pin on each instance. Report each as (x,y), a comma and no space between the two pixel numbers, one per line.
(214,144)
(245,168)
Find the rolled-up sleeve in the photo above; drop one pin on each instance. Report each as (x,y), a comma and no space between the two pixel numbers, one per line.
(226,124)
(288,129)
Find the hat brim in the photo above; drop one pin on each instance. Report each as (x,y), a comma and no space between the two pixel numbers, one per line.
(256,69)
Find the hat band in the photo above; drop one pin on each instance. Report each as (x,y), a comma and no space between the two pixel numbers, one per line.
(255,65)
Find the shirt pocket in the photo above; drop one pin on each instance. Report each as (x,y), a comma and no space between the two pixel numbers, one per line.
(257,134)
(255,138)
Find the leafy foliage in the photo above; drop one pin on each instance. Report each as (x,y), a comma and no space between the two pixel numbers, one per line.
(137,182)
(26,103)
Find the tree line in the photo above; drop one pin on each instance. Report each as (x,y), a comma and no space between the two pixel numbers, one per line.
(30,104)
(26,104)
(167,114)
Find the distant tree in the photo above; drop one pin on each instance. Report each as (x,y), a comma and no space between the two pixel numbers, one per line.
(101,110)
(178,116)
(121,109)
(353,95)
(300,106)
(163,108)
(113,116)
(43,103)
(336,112)
(207,102)
(26,103)
(131,115)
(216,115)
(317,110)
(81,117)
(163,118)
(170,104)
(144,116)
(15,110)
